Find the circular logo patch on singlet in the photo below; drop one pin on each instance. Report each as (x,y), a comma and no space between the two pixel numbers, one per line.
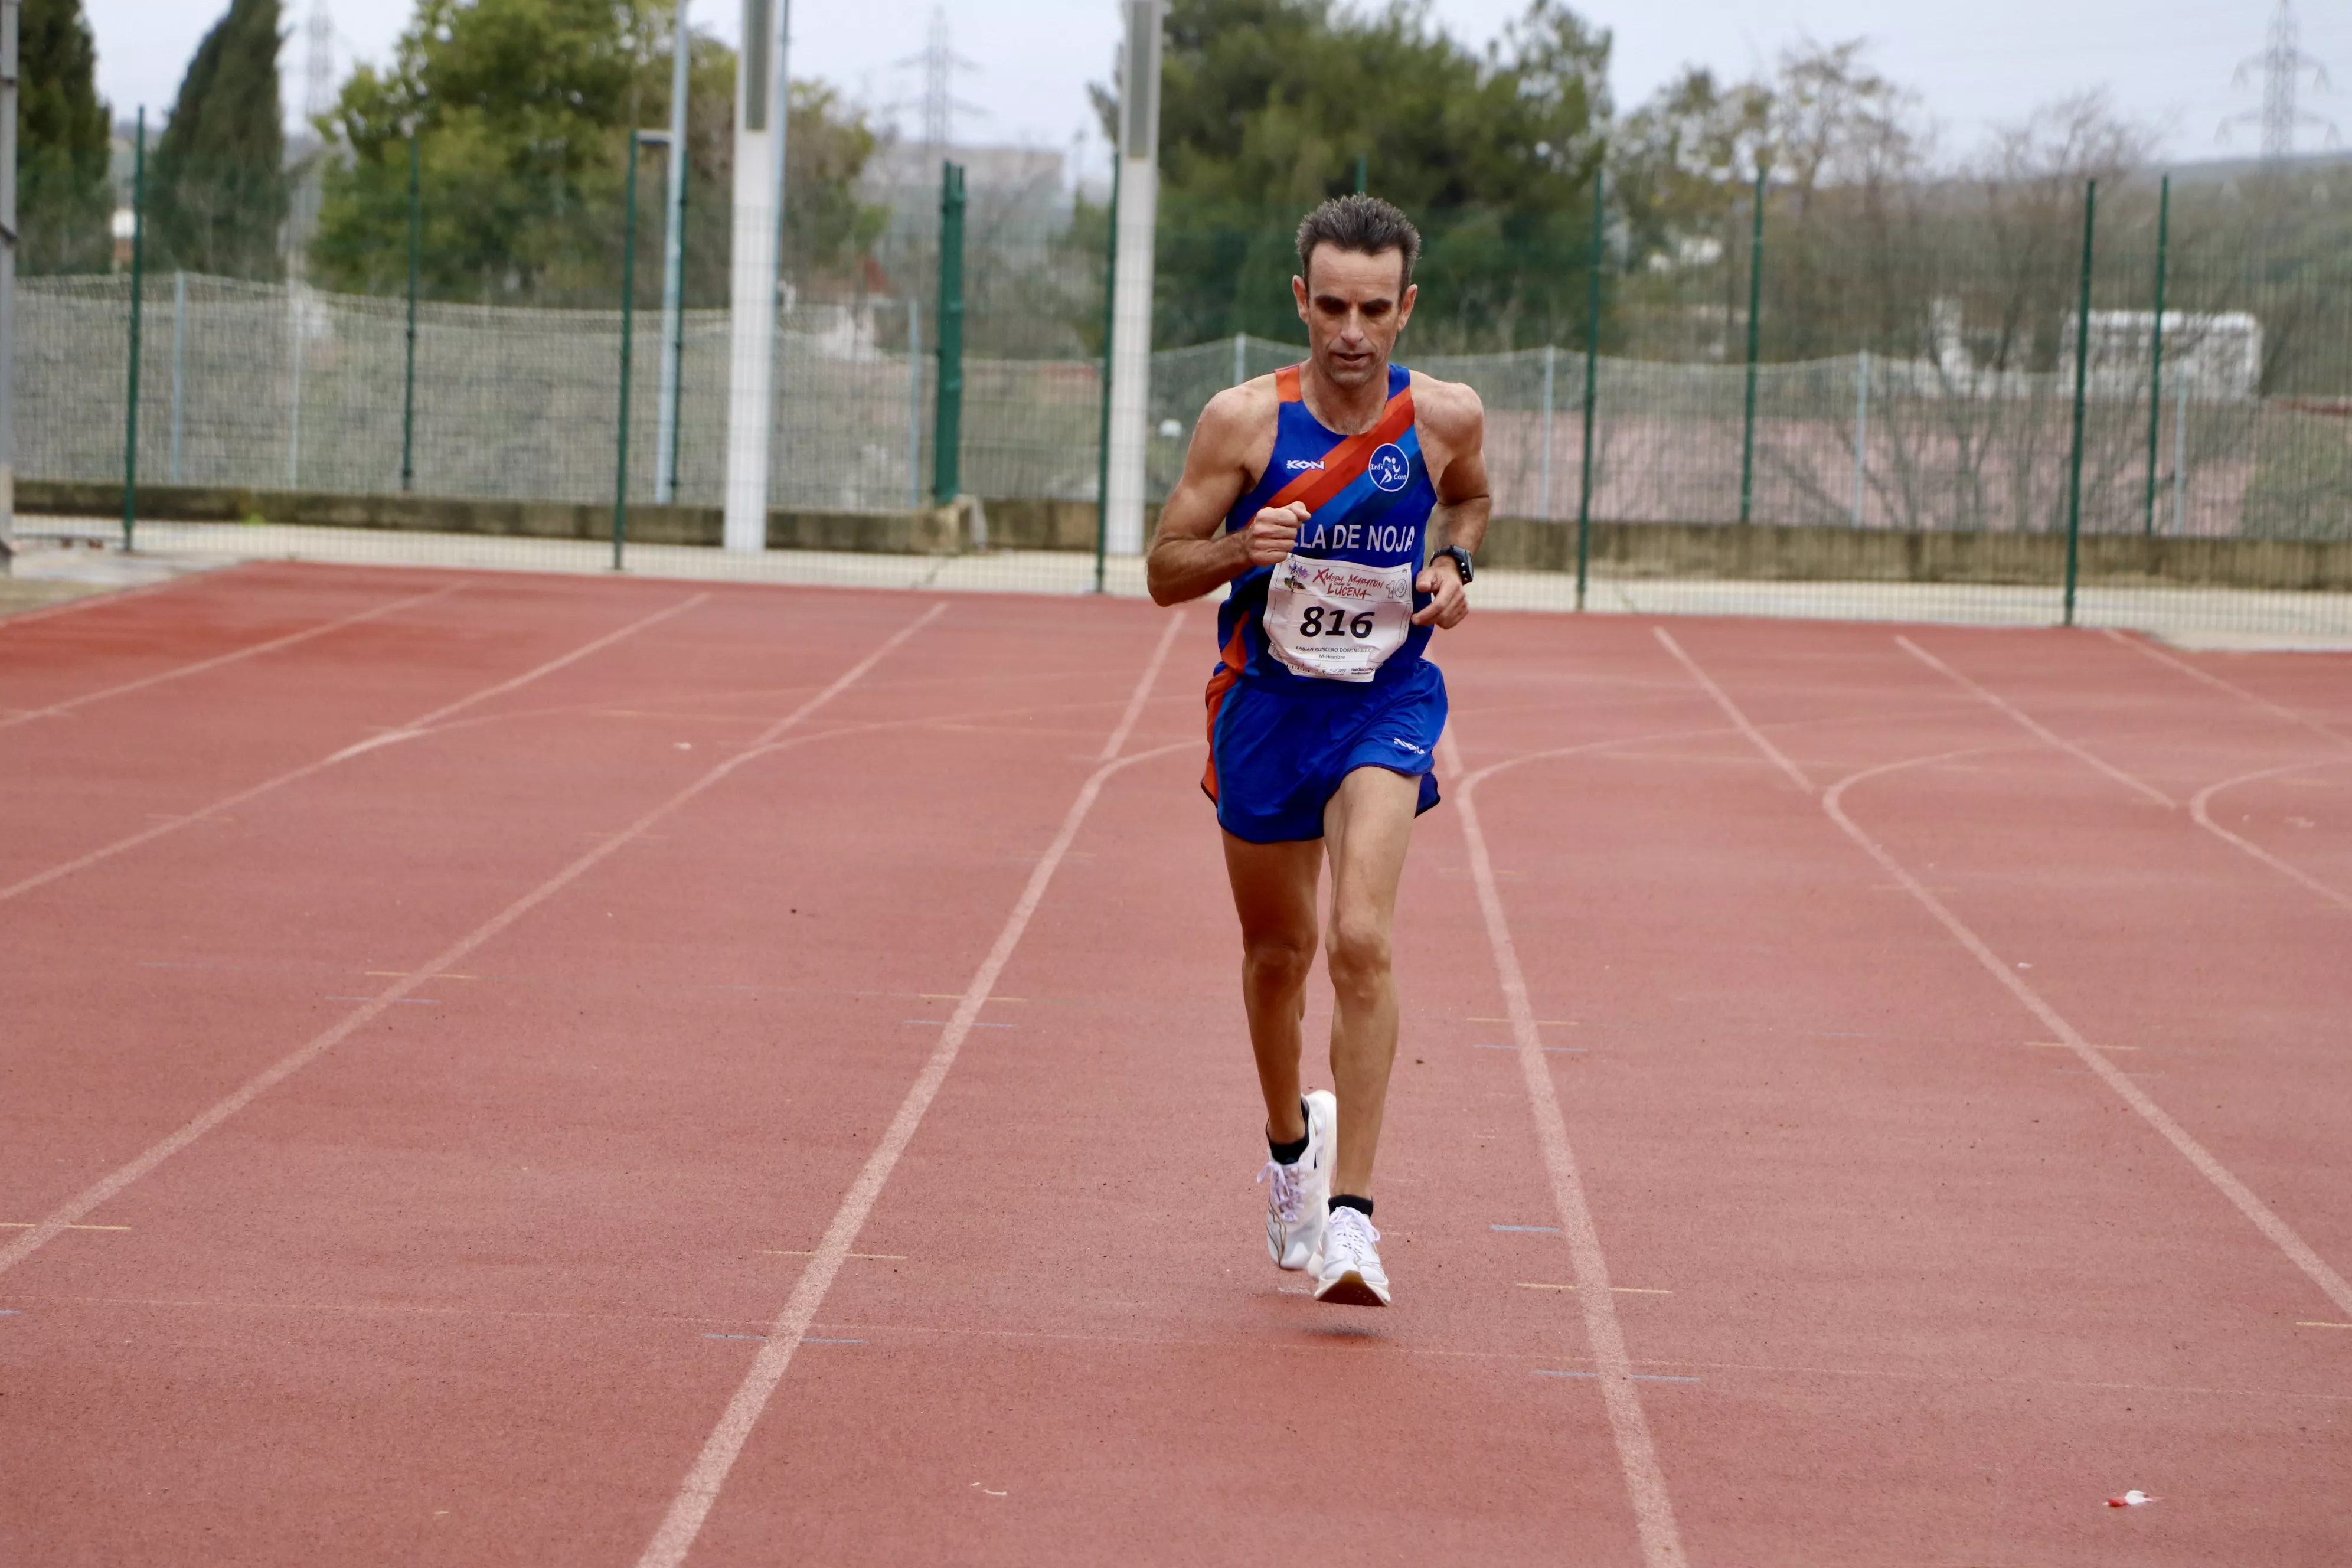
(1389,469)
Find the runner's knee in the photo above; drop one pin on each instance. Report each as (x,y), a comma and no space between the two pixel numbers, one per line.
(1359,953)
(1279,960)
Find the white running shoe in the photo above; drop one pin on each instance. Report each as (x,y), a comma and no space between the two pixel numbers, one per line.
(1298,1195)
(1346,1265)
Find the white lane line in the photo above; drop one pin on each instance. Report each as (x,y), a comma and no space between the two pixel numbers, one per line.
(26,715)
(2034,727)
(407,731)
(700,1491)
(2277,709)
(1731,711)
(1637,1454)
(2198,808)
(415,726)
(2281,1234)
(80,1205)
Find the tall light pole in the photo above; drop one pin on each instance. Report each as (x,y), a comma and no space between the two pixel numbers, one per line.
(1130,340)
(673,268)
(760,103)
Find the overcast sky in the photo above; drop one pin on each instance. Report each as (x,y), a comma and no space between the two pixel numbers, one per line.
(2166,62)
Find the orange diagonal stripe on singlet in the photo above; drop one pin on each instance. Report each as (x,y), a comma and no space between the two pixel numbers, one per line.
(1346,460)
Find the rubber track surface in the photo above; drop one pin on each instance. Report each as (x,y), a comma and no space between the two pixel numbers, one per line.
(1901,1278)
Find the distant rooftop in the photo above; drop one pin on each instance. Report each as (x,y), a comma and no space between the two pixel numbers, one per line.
(1003,169)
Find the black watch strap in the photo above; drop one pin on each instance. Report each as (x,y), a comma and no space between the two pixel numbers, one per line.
(1461,559)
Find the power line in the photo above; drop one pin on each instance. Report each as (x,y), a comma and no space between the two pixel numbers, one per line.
(2285,67)
(319,62)
(940,106)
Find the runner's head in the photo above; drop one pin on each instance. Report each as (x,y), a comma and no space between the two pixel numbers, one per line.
(1354,286)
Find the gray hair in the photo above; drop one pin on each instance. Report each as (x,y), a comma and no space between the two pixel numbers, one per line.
(1364,224)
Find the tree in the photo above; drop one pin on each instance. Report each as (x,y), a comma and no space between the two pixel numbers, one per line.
(2028,190)
(1844,157)
(521,110)
(1267,105)
(62,196)
(218,182)
(826,144)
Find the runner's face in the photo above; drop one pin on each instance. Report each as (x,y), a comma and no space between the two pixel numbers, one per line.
(1353,311)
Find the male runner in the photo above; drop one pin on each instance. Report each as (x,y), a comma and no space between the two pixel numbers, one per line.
(1342,499)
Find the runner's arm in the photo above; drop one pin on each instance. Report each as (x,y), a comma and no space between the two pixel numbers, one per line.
(1455,422)
(1188,557)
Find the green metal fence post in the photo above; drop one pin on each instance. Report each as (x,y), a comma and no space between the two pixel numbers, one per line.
(138,286)
(1755,302)
(1591,379)
(947,418)
(1362,169)
(677,341)
(2082,382)
(628,303)
(408,384)
(1102,451)
(2156,351)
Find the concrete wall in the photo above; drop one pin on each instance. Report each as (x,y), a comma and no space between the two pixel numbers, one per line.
(1891,555)
(1617,549)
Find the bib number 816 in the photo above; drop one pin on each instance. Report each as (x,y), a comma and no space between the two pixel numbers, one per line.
(1312,624)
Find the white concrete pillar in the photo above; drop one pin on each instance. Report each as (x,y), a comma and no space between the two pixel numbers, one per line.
(1130,332)
(752,297)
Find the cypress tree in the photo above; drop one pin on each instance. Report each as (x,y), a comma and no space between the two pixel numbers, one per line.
(218,175)
(62,199)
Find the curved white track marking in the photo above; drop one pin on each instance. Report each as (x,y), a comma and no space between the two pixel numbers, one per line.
(26,715)
(2197,808)
(82,1203)
(2298,1251)
(2281,1234)
(1731,711)
(1637,1454)
(407,731)
(2279,710)
(2034,727)
(700,1491)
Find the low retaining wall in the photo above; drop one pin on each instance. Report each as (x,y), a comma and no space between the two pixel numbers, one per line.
(1759,551)
(1768,552)
(943,530)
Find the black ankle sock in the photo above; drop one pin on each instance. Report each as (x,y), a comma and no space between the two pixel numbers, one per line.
(1289,1153)
(1350,1201)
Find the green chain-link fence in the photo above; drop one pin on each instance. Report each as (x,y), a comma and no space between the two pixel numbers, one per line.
(1925,472)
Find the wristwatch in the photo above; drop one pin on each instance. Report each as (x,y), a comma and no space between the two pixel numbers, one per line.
(1461,559)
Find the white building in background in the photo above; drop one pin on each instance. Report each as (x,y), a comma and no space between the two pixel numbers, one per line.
(2207,355)
(1017,198)
(1037,172)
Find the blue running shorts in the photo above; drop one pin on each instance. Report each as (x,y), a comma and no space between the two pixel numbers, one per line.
(1277,753)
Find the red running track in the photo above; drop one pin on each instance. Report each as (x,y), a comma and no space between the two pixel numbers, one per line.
(509,1070)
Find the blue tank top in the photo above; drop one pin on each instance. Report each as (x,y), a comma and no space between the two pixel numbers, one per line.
(1370,497)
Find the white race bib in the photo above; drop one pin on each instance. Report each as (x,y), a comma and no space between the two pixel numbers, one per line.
(1338,620)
